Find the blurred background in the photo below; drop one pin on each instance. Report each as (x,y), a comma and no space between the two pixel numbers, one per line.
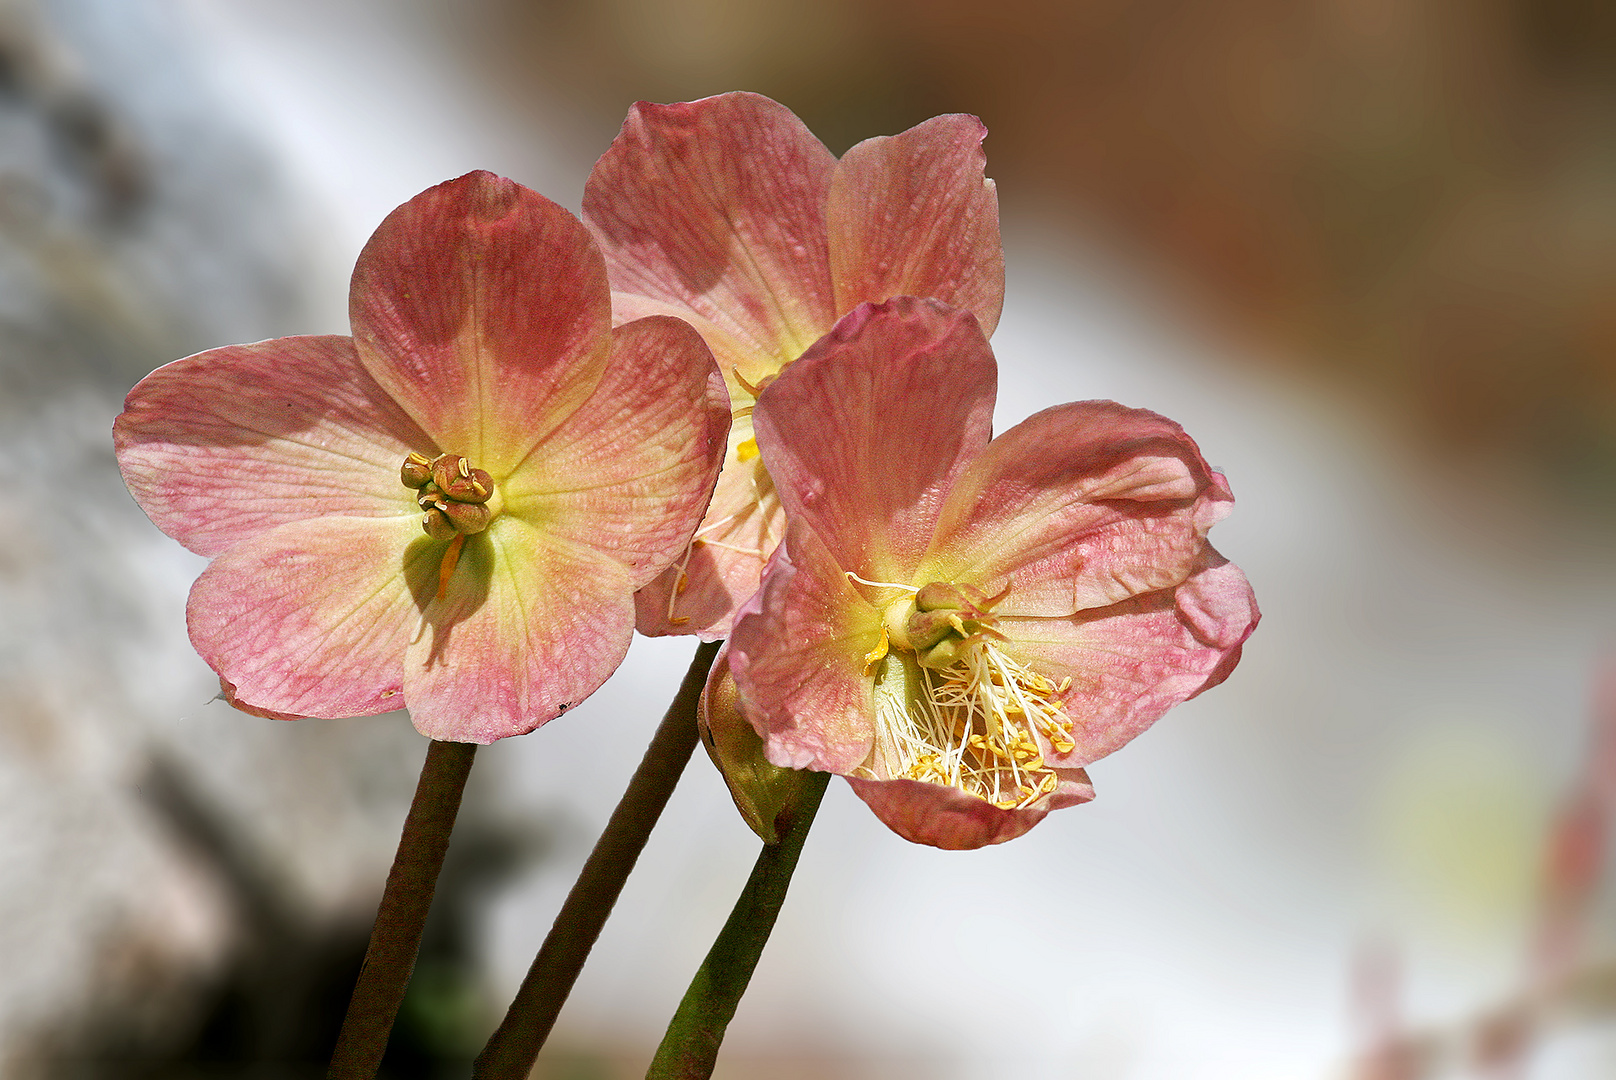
(1364,250)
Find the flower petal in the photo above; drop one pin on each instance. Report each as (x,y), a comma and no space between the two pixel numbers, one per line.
(483,308)
(1131,662)
(718,206)
(732,353)
(1080,506)
(798,655)
(312,617)
(947,818)
(700,594)
(227,444)
(630,472)
(905,390)
(912,215)
(530,625)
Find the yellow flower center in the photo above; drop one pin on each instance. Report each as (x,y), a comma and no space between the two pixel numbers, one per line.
(457,500)
(953,708)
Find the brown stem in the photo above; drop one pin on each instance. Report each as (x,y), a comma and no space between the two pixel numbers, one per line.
(396,937)
(511,1052)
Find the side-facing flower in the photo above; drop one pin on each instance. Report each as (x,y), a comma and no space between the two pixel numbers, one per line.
(960,625)
(451,510)
(729,213)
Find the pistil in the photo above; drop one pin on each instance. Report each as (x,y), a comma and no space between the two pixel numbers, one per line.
(457,500)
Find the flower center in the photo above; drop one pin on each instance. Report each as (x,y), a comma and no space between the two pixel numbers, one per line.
(964,714)
(457,500)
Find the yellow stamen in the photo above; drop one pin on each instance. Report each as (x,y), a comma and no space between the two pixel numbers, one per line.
(980,724)
(747,450)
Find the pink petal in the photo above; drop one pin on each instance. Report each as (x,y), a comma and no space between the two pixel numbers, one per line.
(798,655)
(629,473)
(483,308)
(732,353)
(1131,662)
(865,434)
(743,524)
(530,626)
(718,206)
(943,817)
(912,215)
(312,618)
(1080,506)
(227,444)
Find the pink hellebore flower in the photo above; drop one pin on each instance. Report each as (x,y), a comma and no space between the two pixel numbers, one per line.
(728,212)
(959,625)
(560,465)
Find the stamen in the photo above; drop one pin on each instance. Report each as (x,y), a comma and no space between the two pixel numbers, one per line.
(759,552)
(750,388)
(880,584)
(975,722)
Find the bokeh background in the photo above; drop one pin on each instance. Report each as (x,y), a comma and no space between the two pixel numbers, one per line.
(1365,250)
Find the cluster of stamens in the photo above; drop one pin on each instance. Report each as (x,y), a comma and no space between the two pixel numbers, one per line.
(454,498)
(975,724)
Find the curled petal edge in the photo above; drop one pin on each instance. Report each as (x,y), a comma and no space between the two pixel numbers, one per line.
(942,817)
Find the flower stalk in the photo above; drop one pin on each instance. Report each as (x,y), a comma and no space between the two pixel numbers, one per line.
(396,937)
(514,1047)
(690,1047)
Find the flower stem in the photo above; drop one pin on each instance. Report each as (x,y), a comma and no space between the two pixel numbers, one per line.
(396,937)
(514,1047)
(690,1047)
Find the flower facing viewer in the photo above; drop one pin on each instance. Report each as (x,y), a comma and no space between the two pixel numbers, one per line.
(450,510)
(960,625)
(729,213)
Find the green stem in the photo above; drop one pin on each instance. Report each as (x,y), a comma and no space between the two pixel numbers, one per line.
(690,1047)
(396,937)
(511,1052)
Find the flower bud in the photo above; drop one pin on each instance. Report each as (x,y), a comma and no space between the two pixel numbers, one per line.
(767,796)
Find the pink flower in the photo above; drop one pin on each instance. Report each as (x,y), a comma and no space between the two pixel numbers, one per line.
(729,213)
(959,625)
(559,464)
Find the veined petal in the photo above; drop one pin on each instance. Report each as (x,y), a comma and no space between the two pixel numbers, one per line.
(230,443)
(1131,662)
(798,654)
(866,432)
(701,592)
(1079,506)
(948,818)
(529,626)
(718,206)
(913,215)
(629,473)
(312,617)
(732,353)
(483,308)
